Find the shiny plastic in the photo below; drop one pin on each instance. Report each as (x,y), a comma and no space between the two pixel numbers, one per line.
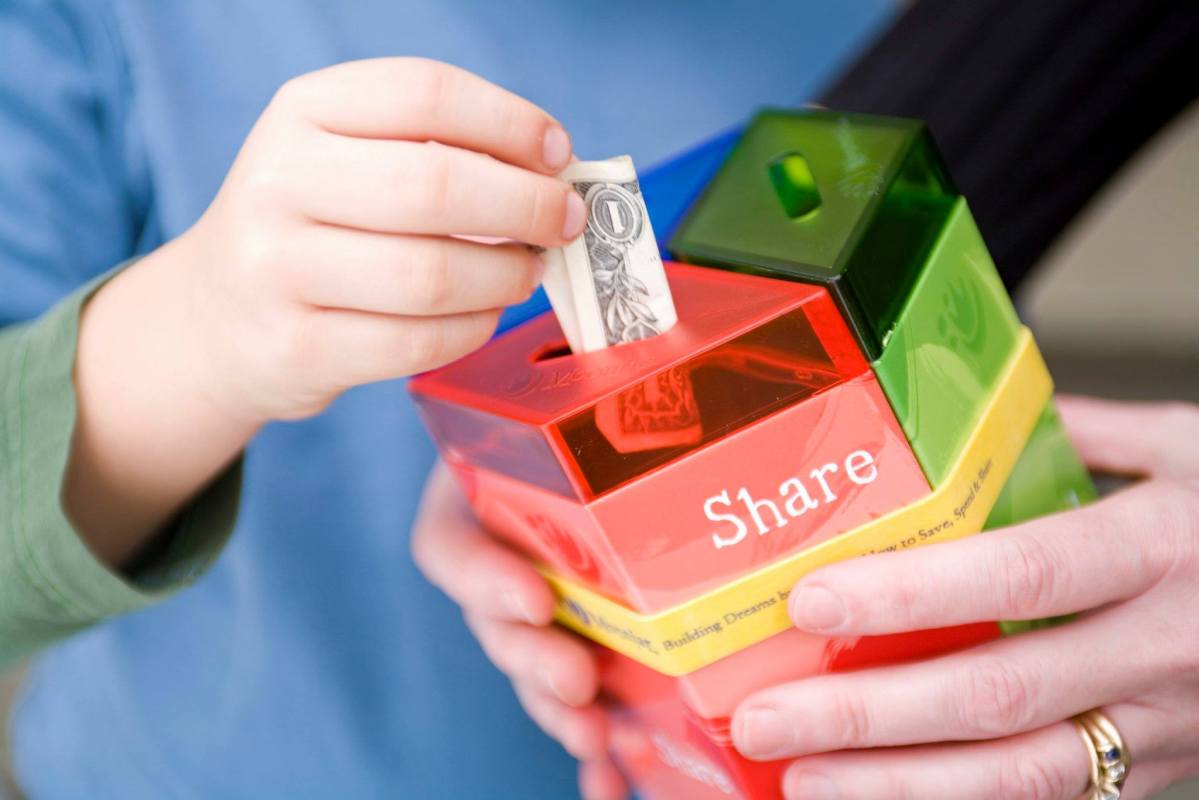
(658,470)
(578,424)
(671,735)
(695,633)
(1048,478)
(849,201)
(948,348)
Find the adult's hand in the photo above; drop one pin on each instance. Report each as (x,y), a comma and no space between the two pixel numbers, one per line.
(509,607)
(988,722)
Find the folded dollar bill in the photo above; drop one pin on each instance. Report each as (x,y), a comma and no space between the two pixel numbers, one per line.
(608,286)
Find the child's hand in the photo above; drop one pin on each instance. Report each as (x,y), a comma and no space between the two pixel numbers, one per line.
(510,607)
(327,258)
(325,261)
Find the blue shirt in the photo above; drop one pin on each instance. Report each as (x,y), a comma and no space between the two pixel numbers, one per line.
(313,660)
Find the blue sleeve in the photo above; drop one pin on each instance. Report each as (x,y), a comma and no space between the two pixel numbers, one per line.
(73,187)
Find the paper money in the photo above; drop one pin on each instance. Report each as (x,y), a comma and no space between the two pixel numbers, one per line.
(659,412)
(608,286)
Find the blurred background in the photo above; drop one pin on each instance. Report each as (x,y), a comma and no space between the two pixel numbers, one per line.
(1115,305)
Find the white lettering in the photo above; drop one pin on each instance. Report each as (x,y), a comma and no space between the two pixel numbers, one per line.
(752,506)
(723,497)
(795,495)
(800,492)
(818,475)
(857,460)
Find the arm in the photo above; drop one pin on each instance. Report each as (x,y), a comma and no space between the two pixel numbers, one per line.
(325,261)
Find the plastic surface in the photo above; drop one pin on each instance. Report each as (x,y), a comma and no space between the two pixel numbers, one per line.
(583,424)
(694,634)
(949,346)
(811,471)
(659,470)
(672,735)
(1048,478)
(850,201)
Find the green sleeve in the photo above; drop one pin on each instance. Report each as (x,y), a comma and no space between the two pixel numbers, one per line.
(50,584)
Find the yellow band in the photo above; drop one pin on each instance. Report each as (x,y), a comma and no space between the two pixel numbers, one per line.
(693,634)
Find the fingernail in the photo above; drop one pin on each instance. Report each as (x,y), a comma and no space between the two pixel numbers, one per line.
(547,679)
(761,732)
(811,786)
(555,148)
(517,607)
(814,608)
(576,216)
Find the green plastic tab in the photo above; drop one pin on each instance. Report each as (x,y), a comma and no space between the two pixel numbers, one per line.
(851,201)
(1048,478)
(953,338)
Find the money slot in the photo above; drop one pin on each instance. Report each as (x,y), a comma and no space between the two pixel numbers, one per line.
(716,393)
(551,351)
(794,185)
(757,406)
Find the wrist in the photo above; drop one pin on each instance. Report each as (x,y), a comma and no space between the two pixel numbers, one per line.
(149,433)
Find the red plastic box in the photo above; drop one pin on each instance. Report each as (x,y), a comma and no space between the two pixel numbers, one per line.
(672,736)
(659,469)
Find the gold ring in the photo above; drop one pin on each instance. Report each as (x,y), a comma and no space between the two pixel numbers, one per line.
(1110,760)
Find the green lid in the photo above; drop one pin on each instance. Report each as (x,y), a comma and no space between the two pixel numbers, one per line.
(850,201)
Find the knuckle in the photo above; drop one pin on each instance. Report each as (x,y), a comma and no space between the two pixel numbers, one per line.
(265,175)
(261,252)
(261,179)
(429,83)
(1027,573)
(852,720)
(519,279)
(432,287)
(909,596)
(294,345)
(1183,417)
(1177,519)
(289,94)
(513,127)
(996,699)
(473,334)
(426,345)
(546,211)
(1181,506)
(434,174)
(1031,777)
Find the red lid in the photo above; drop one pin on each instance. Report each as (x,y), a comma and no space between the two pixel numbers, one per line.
(583,424)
